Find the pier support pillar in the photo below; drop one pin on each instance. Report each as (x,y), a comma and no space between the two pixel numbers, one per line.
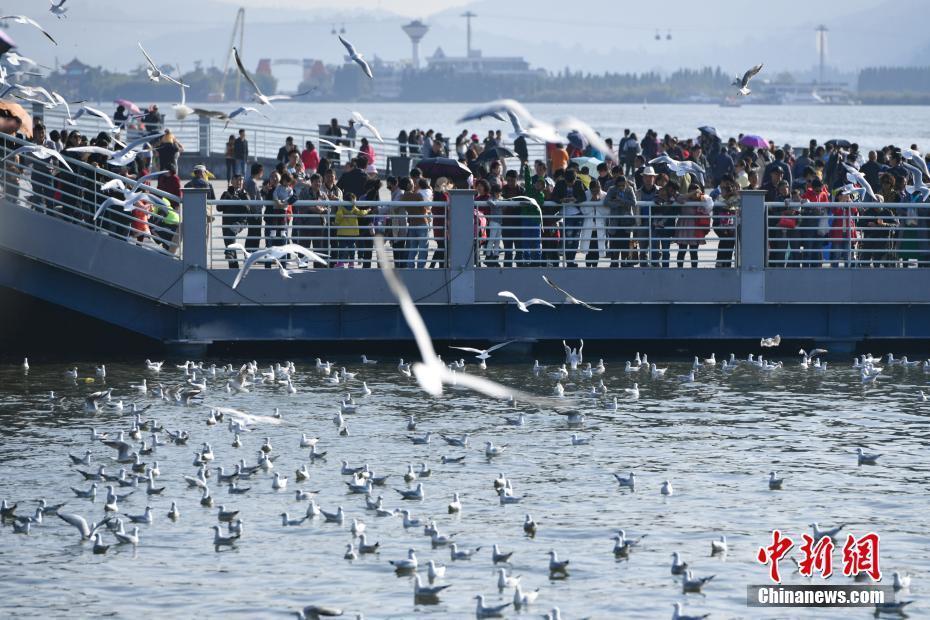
(194,236)
(752,244)
(205,134)
(460,253)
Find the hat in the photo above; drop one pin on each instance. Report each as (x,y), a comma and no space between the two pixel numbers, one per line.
(474,137)
(649,171)
(201,168)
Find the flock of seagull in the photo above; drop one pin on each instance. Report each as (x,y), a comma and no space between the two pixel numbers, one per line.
(137,446)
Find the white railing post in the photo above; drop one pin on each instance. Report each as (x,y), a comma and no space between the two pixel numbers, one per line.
(461,246)
(752,244)
(194,234)
(205,135)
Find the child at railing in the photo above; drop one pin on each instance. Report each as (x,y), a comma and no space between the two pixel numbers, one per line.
(347,232)
(693,223)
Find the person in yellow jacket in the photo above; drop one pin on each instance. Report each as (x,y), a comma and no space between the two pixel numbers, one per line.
(347,232)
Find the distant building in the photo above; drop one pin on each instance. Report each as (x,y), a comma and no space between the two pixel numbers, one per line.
(813,93)
(475,62)
(75,69)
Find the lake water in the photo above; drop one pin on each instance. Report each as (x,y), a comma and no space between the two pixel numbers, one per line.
(870,126)
(715,440)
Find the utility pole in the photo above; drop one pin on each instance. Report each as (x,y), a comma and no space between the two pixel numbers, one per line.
(468,15)
(821,31)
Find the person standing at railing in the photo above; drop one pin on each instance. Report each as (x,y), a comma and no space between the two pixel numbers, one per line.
(241,154)
(371,225)
(276,224)
(309,228)
(334,134)
(354,178)
(284,153)
(662,218)
(230,155)
(693,223)
(347,231)
(404,258)
(843,234)
(168,150)
(725,214)
(646,194)
(569,192)
(531,220)
(594,221)
(780,217)
(43,171)
(441,187)
(331,191)
(402,143)
(878,224)
(510,218)
(621,203)
(310,158)
(816,223)
(235,217)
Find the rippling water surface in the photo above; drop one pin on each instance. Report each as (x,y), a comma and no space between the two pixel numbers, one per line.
(715,440)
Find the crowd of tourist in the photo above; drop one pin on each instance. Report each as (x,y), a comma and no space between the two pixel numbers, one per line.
(830,204)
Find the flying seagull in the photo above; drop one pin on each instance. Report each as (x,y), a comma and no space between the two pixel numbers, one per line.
(261,98)
(354,55)
(483,354)
(569,298)
(743,82)
(58,9)
(364,122)
(274,254)
(241,111)
(97,113)
(125,155)
(182,110)
(22,19)
(431,373)
(39,152)
(155,74)
(524,305)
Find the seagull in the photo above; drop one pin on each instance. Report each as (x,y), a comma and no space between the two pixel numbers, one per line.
(223,541)
(919,187)
(690,584)
(718,546)
(181,109)
(128,539)
(483,611)
(431,373)
(435,571)
(629,481)
(456,504)
(406,565)
(775,482)
(743,82)
(678,567)
(854,176)
(523,599)
(464,554)
(155,74)
(569,298)
(667,488)
(529,525)
(261,98)
(315,612)
(770,342)
(39,152)
(831,533)
(524,306)
(354,55)
(901,581)
(364,122)
(58,9)
(22,19)
(427,592)
(483,354)
(125,155)
(100,115)
(78,522)
(556,565)
(338,148)
(242,111)
(866,458)
(504,581)
(524,124)
(273,254)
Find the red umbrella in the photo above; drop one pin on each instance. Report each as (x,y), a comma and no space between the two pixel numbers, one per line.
(757,142)
(129,105)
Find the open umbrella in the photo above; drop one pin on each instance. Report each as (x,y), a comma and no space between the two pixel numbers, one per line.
(591,162)
(496,152)
(839,143)
(129,105)
(16,110)
(756,142)
(435,167)
(708,130)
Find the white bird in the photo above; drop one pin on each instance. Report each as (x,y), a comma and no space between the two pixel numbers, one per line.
(633,391)
(866,458)
(435,571)
(743,82)
(365,360)
(354,55)
(524,306)
(155,74)
(338,148)
(79,523)
(919,187)
(667,488)
(259,96)
(483,354)
(504,581)
(364,122)
(22,19)
(181,109)
(408,564)
(691,584)
(831,533)
(128,539)
(657,372)
(523,599)
(677,615)
(770,342)
(488,611)
(854,176)
(58,9)
(569,298)
(629,481)
(125,155)
(431,373)
(556,565)
(461,554)
(580,441)
(243,111)
(39,152)
(719,546)
(86,109)
(274,254)
(279,483)
(902,581)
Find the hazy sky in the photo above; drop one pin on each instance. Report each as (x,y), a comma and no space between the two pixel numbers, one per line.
(412,8)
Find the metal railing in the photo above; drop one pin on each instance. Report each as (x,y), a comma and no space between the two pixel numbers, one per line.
(340,230)
(591,234)
(848,235)
(77,196)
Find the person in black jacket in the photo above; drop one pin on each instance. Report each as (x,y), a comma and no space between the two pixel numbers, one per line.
(241,154)
(234,217)
(569,192)
(354,180)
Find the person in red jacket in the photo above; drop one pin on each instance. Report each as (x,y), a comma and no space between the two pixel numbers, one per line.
(843,235)
(814,223)
(171,183)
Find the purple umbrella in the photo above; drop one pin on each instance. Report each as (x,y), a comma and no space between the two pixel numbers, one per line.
(756,142)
